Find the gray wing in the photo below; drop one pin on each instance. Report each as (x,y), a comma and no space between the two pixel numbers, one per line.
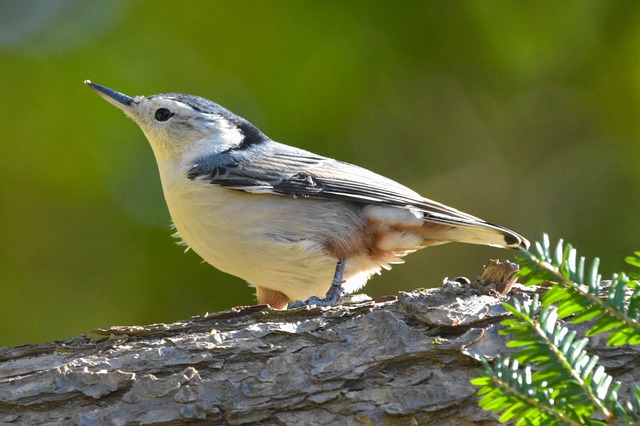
(283,170)
(274,168)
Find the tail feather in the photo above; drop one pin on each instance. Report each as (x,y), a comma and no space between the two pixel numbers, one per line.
(437,230)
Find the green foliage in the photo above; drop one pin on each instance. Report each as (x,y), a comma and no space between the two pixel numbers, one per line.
(560,383)
(635,261)
(579,294)
(511,389)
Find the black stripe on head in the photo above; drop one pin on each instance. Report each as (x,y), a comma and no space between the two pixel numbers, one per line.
(198,104)
(251,134)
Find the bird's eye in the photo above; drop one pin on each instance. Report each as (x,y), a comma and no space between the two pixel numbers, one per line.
(163,114)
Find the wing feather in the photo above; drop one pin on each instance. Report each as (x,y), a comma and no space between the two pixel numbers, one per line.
(284,170)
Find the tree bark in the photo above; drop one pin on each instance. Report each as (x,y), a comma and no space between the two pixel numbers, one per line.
(395,360)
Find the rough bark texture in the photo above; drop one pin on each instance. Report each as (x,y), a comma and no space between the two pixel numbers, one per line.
(405,360)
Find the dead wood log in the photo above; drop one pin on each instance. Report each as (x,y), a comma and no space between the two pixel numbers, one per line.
(395,360)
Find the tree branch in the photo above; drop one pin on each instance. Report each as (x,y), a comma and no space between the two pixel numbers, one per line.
(404,360)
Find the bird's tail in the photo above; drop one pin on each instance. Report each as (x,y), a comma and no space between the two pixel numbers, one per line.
(440,230)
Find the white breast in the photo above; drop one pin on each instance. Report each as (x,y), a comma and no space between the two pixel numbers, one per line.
(271,241)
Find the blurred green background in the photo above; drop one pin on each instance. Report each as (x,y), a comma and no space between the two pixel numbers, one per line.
(523,113)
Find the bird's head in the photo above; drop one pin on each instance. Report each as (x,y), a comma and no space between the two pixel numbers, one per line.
(182,127)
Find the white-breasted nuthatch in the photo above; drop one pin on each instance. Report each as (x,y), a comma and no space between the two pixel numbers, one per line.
(284,219)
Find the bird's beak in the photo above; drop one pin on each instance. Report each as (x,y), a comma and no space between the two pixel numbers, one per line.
(117,99)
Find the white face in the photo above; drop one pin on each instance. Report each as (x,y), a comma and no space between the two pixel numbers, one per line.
(181,129)
(175,128)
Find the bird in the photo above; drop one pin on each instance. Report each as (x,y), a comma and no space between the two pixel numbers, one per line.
(295,225)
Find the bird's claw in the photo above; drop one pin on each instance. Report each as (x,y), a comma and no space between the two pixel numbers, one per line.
(333,296)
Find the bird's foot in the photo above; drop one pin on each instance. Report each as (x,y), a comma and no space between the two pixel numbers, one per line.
(333,296)
(312,301)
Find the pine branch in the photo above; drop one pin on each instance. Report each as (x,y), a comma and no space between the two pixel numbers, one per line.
(567,386)
(619,314)
(508,388)
(565,367)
